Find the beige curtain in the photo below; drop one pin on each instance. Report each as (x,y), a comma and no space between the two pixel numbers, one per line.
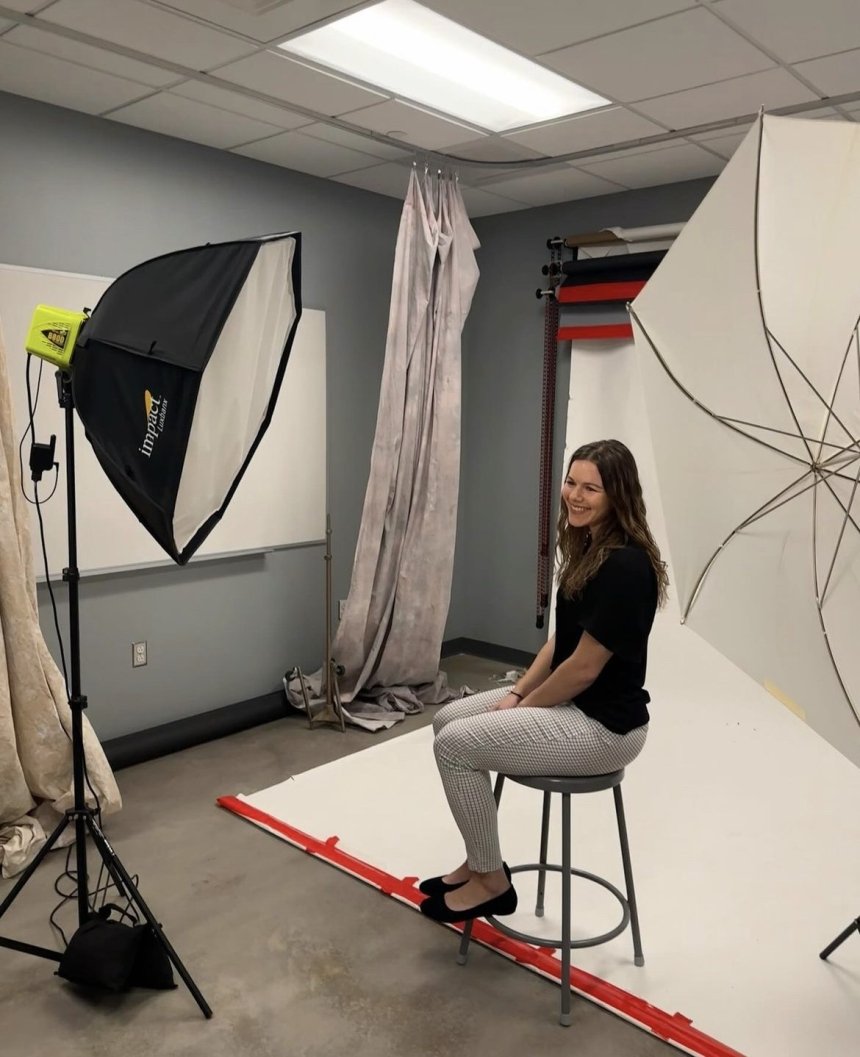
(390,636)
(391,632)
(35,749)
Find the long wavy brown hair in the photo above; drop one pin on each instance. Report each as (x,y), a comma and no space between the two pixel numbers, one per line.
(580,556)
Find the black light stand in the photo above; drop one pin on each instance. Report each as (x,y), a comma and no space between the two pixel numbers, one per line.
(81,815)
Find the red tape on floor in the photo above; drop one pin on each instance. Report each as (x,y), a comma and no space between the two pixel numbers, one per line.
(671,1027)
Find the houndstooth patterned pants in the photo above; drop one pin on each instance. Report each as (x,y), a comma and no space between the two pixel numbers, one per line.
(471,741)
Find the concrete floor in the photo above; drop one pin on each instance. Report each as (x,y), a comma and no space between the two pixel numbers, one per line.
(296,958)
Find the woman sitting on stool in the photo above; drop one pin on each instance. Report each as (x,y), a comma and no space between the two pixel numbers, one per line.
(581,708)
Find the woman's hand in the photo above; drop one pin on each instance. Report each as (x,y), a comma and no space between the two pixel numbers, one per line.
(508,701)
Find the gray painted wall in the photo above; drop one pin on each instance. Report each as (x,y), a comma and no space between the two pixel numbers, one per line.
(82,194)
(86,195)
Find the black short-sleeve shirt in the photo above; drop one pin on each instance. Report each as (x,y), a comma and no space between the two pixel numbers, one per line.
(617,608)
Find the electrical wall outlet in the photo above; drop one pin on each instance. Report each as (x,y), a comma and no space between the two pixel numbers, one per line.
(341,608)
(138,654)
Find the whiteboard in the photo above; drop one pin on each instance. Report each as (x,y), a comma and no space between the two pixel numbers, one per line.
(281,500)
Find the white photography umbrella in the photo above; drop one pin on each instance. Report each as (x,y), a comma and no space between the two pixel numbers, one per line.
(748,335)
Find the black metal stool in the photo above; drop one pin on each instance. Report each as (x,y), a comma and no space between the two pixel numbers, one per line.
(567,787)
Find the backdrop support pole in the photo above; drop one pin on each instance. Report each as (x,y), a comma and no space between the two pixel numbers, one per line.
(331,712)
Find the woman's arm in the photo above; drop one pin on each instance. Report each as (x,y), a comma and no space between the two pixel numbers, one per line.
(571,677)
(534,676)
(537,671)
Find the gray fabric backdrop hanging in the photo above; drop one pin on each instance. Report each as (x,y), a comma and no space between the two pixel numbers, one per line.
(390,636)
(35,748)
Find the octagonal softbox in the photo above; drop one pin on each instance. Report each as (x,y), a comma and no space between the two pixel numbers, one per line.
(177,373)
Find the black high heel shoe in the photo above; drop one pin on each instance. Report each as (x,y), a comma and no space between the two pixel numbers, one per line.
(436,908)
(435,886)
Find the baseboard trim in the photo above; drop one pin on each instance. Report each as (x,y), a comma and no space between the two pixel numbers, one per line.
(150,744)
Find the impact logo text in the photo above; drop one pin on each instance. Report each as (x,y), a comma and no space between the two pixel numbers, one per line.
(156,411)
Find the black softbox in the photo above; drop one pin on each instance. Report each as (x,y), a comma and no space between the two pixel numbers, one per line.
(177,373)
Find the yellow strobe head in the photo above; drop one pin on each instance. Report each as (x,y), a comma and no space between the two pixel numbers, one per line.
(53,334)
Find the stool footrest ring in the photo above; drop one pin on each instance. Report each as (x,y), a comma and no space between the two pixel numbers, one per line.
(543,941)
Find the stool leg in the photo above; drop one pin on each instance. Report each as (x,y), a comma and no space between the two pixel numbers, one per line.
(465,939)
(544,839)
(638,957)
(463,953)
(564,1019)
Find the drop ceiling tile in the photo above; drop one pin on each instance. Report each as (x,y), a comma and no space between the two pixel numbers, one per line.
(560,185)
(262,21)
(601,128)
(714,102)
(479,175)
(389,179)
(393,180)
(493,148)
(63,83)
(354,141)
(719,133)
(669,55)
(87,55)
(265,25)
(539,25)
(26,7)
(829,114)
(239,103)
(150,30)
(724,144)
(482,203)
(798,29)
(416,127)
(834,75)
(684,161)
(5,25)
(294,150)
(173,115)
(283,78)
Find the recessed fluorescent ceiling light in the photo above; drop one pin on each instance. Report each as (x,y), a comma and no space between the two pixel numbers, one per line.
(410,51)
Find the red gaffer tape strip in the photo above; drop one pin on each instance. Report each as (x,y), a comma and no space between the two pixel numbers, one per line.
(673,1027)
(591,292)
(601,332)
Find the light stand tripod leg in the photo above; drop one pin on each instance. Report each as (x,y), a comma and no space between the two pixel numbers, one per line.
(34,865)
(16,945)
(840,939)
(112,862)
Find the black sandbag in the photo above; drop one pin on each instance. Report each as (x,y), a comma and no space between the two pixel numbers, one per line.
(101,954)
(114,956)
